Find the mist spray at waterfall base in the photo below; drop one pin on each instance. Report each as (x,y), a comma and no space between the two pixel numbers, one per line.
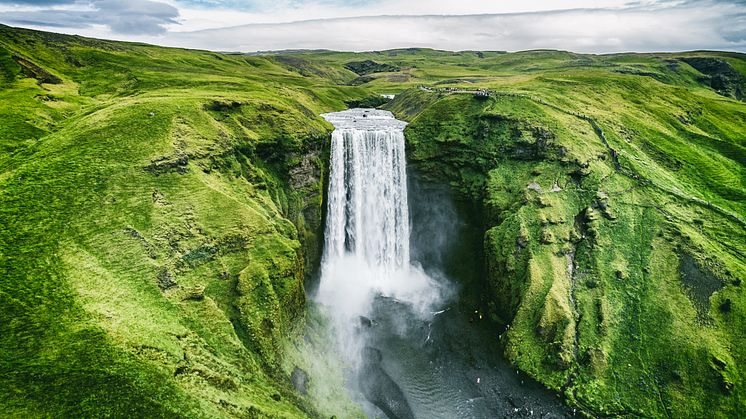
(367,255)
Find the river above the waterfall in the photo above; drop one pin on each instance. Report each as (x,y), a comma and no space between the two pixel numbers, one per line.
(401,276)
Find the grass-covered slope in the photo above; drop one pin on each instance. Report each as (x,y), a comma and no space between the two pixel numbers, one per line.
(158,211)
(615,228)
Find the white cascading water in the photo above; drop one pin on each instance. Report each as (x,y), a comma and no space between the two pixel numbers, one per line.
(367,229)
(368,215)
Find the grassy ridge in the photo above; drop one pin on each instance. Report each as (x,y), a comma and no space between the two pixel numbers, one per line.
(160,207)
(614,209)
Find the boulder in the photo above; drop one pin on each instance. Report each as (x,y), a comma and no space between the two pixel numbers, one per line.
(299,378)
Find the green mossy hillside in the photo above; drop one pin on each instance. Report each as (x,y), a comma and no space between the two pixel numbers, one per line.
(159,210)
(614,234)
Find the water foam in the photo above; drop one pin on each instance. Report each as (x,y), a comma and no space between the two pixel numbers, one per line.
(367,233)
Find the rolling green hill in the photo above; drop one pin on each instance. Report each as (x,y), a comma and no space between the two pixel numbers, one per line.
(160,209)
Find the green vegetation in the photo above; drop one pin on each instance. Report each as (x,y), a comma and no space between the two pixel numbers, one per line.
(160,209)
(614,233)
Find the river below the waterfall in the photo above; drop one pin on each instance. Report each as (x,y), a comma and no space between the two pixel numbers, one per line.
(406,293)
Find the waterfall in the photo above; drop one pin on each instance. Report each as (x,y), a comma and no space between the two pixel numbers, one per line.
(366,252)
(367,214)
(403,351)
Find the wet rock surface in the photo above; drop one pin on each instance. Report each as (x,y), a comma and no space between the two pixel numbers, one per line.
(299,378)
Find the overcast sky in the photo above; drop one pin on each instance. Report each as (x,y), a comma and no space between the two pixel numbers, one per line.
(355,25)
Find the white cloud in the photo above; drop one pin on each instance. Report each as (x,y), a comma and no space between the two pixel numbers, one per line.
(578,25)
(283,11)
(137,17)
(631,29)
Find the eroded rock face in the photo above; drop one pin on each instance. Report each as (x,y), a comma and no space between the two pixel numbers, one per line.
(580,245)
(167,164)
(32,70)
(720,76)
(307,179)
(369,66)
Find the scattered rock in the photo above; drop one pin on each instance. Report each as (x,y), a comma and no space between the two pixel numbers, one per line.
(725,306)
(366,322)
(602,199)
(46,98)
(200,254)
(533,186)
(227,404)
(547,237)
(134,233)
(699,283)
(130,231)
(253,412)
(159,198)
(720,367)
(167,164)
(165,279)
(299,378)
(196,293)
(590,215)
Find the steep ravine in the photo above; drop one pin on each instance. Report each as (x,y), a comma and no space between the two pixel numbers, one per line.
(578,256)
(413,338)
